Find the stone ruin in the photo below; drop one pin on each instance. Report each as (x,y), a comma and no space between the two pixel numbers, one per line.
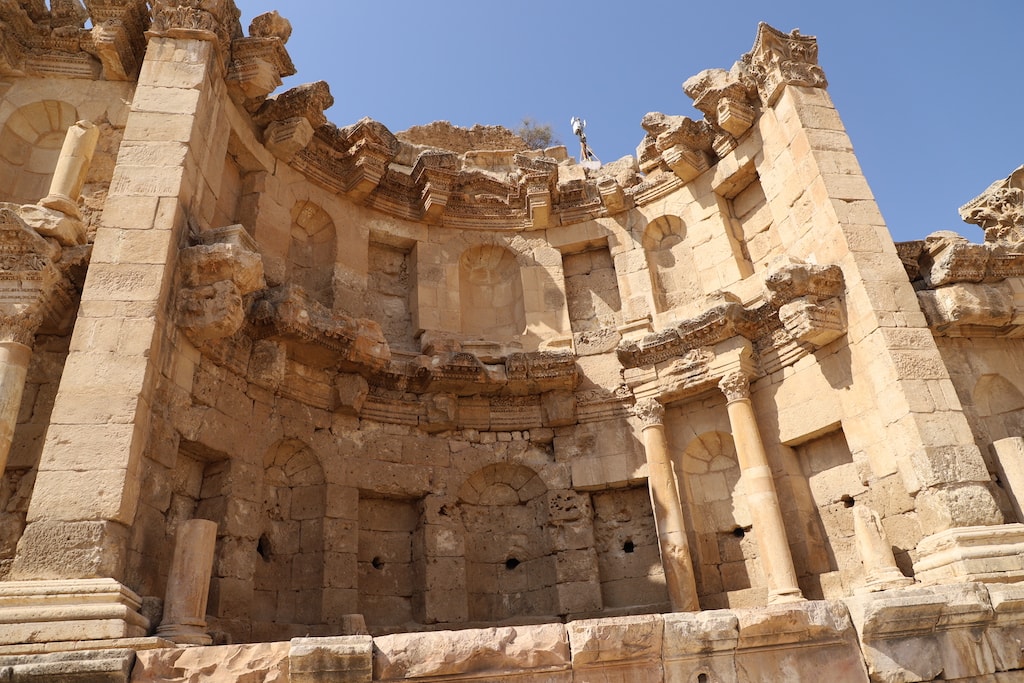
(283,401)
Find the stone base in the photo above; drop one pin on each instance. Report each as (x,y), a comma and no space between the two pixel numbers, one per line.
(68,610)
(93,666)
(991,554)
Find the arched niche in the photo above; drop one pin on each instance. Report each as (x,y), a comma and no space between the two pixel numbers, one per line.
(674,280)
(491,294)
(289,567)
(312,251)
(510,567)
(1000,406)
(30,144)
(724,551)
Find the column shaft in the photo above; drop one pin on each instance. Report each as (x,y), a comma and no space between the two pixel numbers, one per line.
(14,358)
(759,489)
(188,584)
(668,514)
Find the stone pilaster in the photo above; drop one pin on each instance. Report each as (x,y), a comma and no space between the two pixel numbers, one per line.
(759,490)
(100,421)
(668,511)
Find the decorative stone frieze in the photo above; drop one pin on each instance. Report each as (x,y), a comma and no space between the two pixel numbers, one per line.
(779,59)
(353,160)
(962,308)
(118,38)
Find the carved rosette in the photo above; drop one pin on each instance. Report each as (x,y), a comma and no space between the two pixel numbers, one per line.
(650,412)
(779,59)
(735,386)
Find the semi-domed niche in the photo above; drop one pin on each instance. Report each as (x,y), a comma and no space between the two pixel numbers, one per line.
(491,294)
(312,252)
(510,568)
(30,144)
(670,260)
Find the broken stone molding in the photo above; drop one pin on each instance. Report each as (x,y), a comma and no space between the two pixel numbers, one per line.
(966,631)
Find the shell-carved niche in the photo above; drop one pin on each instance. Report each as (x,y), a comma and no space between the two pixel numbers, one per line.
(312,252)
(491,294)
(670,261)
(30,144)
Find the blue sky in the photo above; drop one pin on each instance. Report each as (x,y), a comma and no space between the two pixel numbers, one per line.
(931,93)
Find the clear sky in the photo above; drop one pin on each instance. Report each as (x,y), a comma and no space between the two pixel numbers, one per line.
(931,93)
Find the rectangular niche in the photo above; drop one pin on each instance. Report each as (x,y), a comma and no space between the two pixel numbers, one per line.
(387,582)
(389,286)
(592,295)
(628,557)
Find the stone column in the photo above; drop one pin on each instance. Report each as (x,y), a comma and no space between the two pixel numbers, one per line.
(14,357)
(188,585)
(880,570)
(668,511)
(759,489)
(72,165)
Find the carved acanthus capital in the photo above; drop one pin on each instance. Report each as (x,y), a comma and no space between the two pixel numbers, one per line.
(999,210)
(650,412)
(211,20)
(735,385)
(779,59)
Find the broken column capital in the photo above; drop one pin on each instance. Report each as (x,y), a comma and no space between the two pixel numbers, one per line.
(779,59)
(650,412)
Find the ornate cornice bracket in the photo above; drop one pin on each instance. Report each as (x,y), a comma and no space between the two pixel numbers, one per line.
(779,59)
(215,276)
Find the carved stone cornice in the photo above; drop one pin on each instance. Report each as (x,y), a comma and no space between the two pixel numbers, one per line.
(735,386)
(353,160)
(40,41)
(779,59)
(307,101)
(118,38)
(999,210)
(288,314)
(650,413)
(33,287)
(726,98)
(946,258)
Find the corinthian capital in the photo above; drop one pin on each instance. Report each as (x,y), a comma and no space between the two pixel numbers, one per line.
(735,386)
(650,412)
(779,59)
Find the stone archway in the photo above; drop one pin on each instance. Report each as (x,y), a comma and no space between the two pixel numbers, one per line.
(674,279)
